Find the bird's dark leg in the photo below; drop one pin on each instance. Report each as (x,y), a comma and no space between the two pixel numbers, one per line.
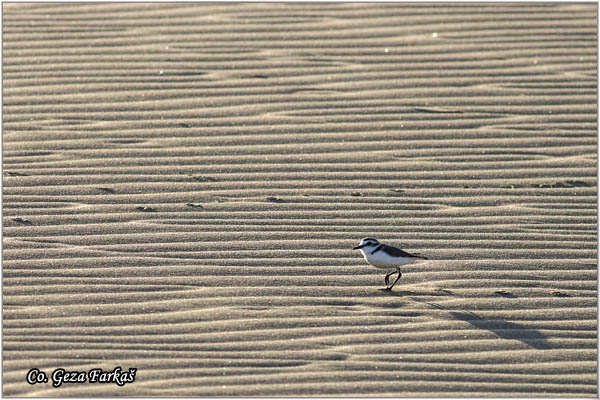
(397,279)
(387,277)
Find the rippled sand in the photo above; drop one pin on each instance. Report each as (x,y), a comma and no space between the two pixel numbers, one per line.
(183,184)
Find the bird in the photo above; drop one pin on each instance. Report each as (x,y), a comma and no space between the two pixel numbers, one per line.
(384,256)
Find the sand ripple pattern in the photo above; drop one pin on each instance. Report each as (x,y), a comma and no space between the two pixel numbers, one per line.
(183,184)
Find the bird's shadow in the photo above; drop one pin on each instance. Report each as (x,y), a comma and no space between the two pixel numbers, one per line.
(505,329)
(499,327)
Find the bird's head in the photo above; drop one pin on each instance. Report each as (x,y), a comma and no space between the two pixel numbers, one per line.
(367,243)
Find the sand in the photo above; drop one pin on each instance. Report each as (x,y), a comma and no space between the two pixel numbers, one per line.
(183,184)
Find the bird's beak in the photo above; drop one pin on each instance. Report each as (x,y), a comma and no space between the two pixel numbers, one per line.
(358,247)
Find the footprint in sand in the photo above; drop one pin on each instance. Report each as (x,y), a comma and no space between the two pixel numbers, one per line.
(22,221)
(145,209)
(504,293)
(275,200)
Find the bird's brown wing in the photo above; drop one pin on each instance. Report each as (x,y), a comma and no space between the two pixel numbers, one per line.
(396,252)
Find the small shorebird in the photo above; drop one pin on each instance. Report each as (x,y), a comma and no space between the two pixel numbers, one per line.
(388,257)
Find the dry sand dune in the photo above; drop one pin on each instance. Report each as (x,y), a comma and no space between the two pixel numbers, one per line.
(183,184)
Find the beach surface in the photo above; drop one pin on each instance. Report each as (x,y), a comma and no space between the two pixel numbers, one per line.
(183,185)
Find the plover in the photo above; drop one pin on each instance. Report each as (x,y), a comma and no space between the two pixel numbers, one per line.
(383,256)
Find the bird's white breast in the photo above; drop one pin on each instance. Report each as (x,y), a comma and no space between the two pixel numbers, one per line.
(384,261)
